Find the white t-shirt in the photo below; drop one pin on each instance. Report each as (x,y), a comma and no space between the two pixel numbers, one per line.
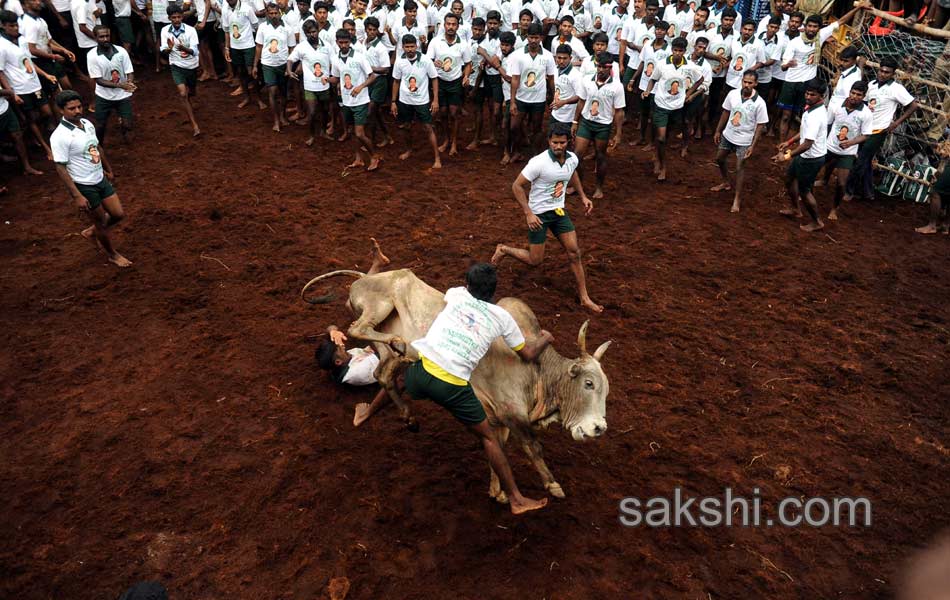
(533,71)
(82,12)
(806,54)
(842,90)
(315,64)
(15,7)
(239,23)
(679,20)
(772,50)
(588,68)
(188,37)
(78,149)
(613,23)
(414,79)
(670,87)
(492,48)
(416,30)
(352,72)
(815,127)
(601,101)
(581,16)
(744,57)
(160,11)
(764,24)
(744,117)
(116,69)
(847,125)
(123,8)
(578,51)
(462,333)
(505,65)
(377,55)
(544,9)
(61,6)
(36,31)
(631,33)
(883,101)
(453,57)
(275,43)
(720,45)
(566,85)
(16,62)
(650,57)
(777,72)
(549,180)
(697,69)
(361,370)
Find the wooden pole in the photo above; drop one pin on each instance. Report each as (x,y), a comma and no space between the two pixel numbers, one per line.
(878,165)
(901,74)
(938,33)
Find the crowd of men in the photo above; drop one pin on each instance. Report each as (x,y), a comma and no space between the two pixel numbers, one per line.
(520,71)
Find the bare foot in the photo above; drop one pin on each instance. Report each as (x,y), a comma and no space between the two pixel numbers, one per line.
(88,234)
(489,142)
(356,163)
(32,171)
(262,105)
(722,187)
(378,252)
(443,146)
(360,414)
(197,132)
(284,121)
(472,146)
(656,167)
(635,142)
(505,159)
(120,261)
(237,91)
(244,102)
(309,141)
(661,176)
(684,152)
(405,155)
(647,148)
(437,164)
(812,226)
(276,127)
(517,157)
(833,215)
(735,207)
(344,137)
(591,305)
(387,142)
(453,151)
(790,212)
(523,505)
(498,255)
(598,194)
(926,229)
(373,163)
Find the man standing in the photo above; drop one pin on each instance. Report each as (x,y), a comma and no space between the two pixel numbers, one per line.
(747,53)
(82,165)
(314,61)
(849,73)
(851,124)
(669,81)
(18,73)
(548,175)
(239,20)
(377,55)
(453,63)
(457,340)
(411,75)
(179,42)
(566,86)
(532,73)
(111,68)
(9,123)
(274,40)
(600,107)
(743,120)
(353,76)
(47,53)
(808,157)
(85,17)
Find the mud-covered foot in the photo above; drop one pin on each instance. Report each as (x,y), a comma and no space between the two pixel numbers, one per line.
(498,255)
(505,159)
(735,207)
(373,163)
(521,505)
(722,187)
(833,215)
(356,163)
(790,212)
(472,146)
(405,155)
(598,194)
(443,146)
(926,229)
(120,261)
(360,414)
(309,141)
(437,164)
(244,103)
(453,151)
(591,305)
(812,226)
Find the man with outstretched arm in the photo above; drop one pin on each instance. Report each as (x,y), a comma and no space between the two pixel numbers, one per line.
(549,174)
(458,339)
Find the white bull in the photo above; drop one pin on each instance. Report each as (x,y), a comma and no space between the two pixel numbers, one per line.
(396,307)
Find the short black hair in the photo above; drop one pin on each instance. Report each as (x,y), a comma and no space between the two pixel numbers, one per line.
(604,58)
(325,354)
(174,9)
(680,42)
(534,29)
(655,3)
(813,19)
(849,52)
(564,49)
(704,9)
(797,15)
(888,61)
(493,15)
(815,85)
(701,40)
(409,39)
(661,25)
(478,22)
(559,128)
(8,16)
(775,21)
(342,34)
(567,18)
(728,12)
(481,279)
(601,37)
(409,5)
(752,73)
(525,11)
(507,37)
(318,5)
(860,85)
(452,15)
(97,28)
(64,97)
(368,22)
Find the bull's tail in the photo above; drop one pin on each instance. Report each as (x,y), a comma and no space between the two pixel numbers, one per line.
(331,296)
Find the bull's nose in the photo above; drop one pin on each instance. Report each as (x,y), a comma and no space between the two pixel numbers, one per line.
(599,430)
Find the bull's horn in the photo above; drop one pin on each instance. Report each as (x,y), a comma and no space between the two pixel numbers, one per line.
(328,297)
(582,338)
(599,352)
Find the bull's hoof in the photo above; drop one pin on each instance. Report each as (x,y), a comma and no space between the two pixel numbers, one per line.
(413,426)
(555,490)
(398,345)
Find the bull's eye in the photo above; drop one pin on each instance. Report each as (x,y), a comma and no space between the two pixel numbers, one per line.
(588,384)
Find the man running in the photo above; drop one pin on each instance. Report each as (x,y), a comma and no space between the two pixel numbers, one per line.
(179,42)
(47,53)
(411,75)
(808,157)
(111,68)
(743,120)
(851,124)
(82,165)
(600,107)
(548,175)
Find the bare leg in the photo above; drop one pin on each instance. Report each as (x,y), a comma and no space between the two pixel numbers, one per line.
(24,157)
(184,93)
(721,157)
(740,178)
(600,149)
(499,464)
(380,260)
(935,206)
(454,130)
(430,131)
(532,256)
(811,205)
(569,242)
(105,216)
(364,411)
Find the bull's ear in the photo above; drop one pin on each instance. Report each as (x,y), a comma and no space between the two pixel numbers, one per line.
(599,352)
(575,369)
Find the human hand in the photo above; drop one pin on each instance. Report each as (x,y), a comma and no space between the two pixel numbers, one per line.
(588,205)
(337,337)
(534,223)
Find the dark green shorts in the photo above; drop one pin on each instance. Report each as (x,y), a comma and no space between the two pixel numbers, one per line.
(187,77)
(379,89)
(33,100)
(242,57)
(664,117)
(531,108)
(275,76)
(450,92)
(106,107)
(356,115)
(407,113)
(628,74)
(50,66)
(805,170)
(324,96)
(694,107)
(493,88)
(11,124)
(124,26)
(840,161)
(557,223)
(763,89)
(942,185)
(590,130)
(96,193)
(792,96)
(460,400)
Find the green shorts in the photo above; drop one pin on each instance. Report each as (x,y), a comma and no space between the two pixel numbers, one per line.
(628,74)
(531,108)
(805,170)
(763,89)
(33,100)
(460,400)
(557,223)
(356,115)
(50,66)
(187,77)
(324,96)
(493,88)
(942,185)
(379,89)
(840,161)
(124,26)
(242,57)
(96,192)
(105,107)
(590,130)
(792,96)
(694,107)
(274,76)
(11,124)
(450,92)
(407,113)
(663,117)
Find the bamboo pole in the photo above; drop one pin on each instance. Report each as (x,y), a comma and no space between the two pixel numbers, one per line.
(938,33)
(931,109)
(878,165)
(901,74)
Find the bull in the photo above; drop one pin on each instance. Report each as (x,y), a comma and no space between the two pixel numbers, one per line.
(393,308)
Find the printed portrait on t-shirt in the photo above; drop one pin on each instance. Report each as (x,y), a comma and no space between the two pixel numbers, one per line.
(347,81)
(674,87)
(413,86)
(649,69)
(274,46)
(235,31)
(594,108)
(531,78)
(447,64)
(689,82)
(872,103)
(557,93)
(740,62)
(718,50)
(93,151)
(843,133)
(115,76)
(674,30)
(318,70)
(737,118)
(811,58)
(28,65)
(558,189)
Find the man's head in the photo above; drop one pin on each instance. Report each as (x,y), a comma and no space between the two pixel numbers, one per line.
(358,7)
(534,37)
(320,11)
(343,40)
(787,7)
(558,136)
(349,26)
(175,14)
(599,42)
(331,357)
(312,32)
(750,79)
(814,92)
(604,66)
(795,21)
(773,27)
(103,36)
(68,101)
(478,29)
(652,8)
(678,48)
(525,19)
(747,31)
(232,3)
(303,7)
(506,42)
(411,10)
(566,27)
(700,18)
(848,57)
(451,24)
(481,279)
(409,46)
(562,56)
(33,6)
(699,46)
(493,23)
(272,12)
(812,25)
(727,18)
(885,72)
(661,28)
(370,26)
(457,8)
(856,96)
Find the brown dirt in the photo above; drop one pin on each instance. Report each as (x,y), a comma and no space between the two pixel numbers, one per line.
(168,422)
